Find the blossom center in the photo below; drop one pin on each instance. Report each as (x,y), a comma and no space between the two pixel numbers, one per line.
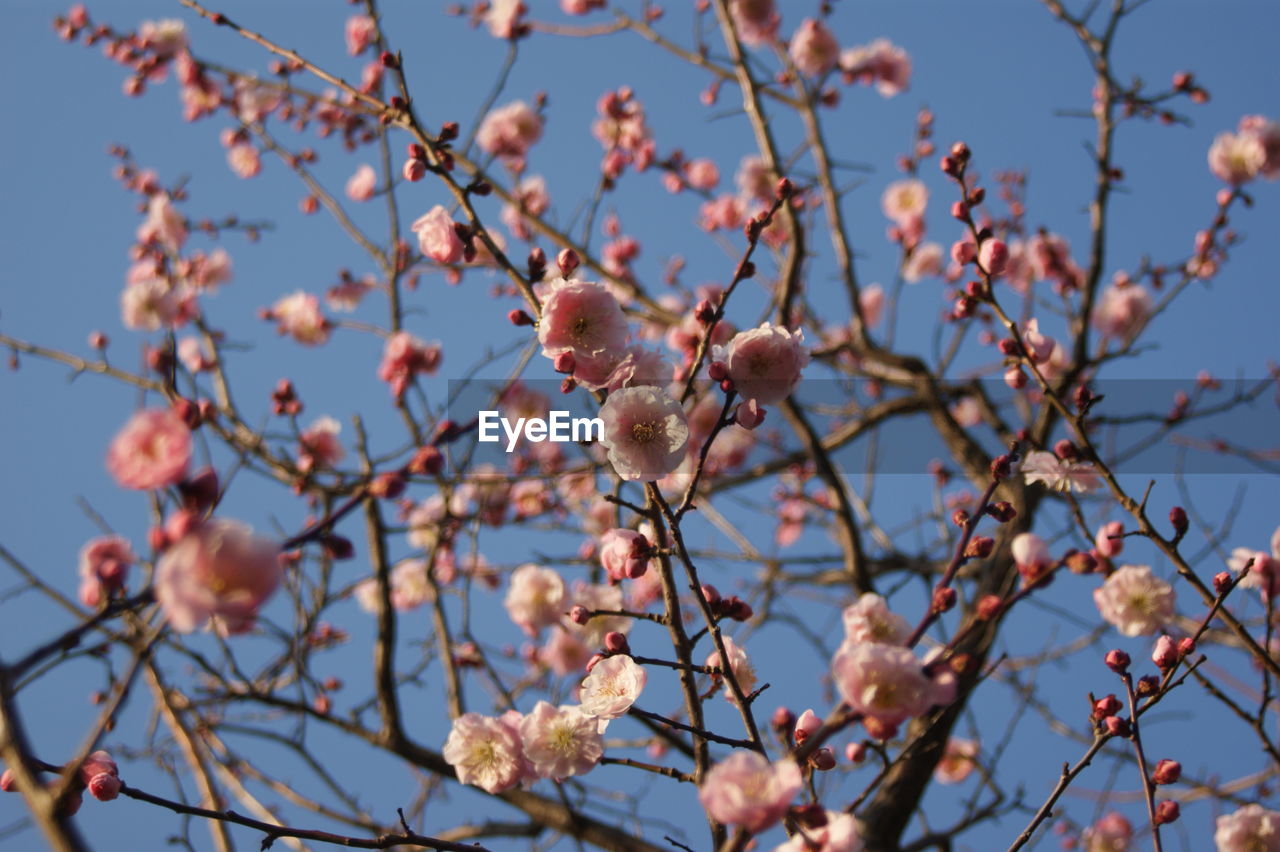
(643,433)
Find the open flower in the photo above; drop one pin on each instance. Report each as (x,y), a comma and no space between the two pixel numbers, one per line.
(509,131)
(1112,833)
(1135,601)
(1251,828)
(743,672)
(765,363)
(104,561)
(746,789)
(645,433)
(957,761)
(485,752)
(612,687)
(869,620)
(437,237)
(536,598)
(885,682)
(583,319)
(560,741)
(219,570)
(838,834)
(1059,474)
(151,451)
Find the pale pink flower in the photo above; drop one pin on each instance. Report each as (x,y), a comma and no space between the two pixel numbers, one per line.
(207,272)
(746,789)
(530,198)
(871,300)
(1251,828)
(253,101)
(1268,133)
(619,556)
(192,354)
(1029,551)
(347,295)
(153,303)
(584,320)
(807,724)
(702,174)
(219,570)
(164,223)
(1111,833)
(166,37)
(881,63)
(1263,574)
(1122,311)
(404,357)
(560,742)
(436,236)
(925,262)
(104,562)
(905,200)
(510,131)
(1135,600)
(244,160)
(423,520)
(151,451)
(723,212)
(595,597)
(361,185)
(535,598)
(884,682)
(753,179)
(565,653)
(958,761)
(318,445)
(765,363)
(1105,543)
(503,18)
(814,50)
(612,687)
(645,433)
(1237,158)
(1060,475)
(967,412)
(641,367)
(755,20)
(360,33)
(743,672)
(408,587)
(838,834)
(298,315)
(1039,346)
(485,752)
(869,620)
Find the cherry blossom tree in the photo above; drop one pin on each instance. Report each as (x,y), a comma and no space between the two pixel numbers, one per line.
(846,566)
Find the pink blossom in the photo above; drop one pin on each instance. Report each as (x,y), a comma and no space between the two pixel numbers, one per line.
(905,200)
(645,433)
(1122,311)
(104,562)
(765,363)
(485,752)
(1030,551)
(641,367)
(807,724)
(925,262)
(1039,346)
(1251,828)
(743,672)
(1058,474)
(153,303)
(164,224)
(612,687)
(871,300)
(535,598)
(958,761)
(437,238)
(884,682)
(746,789)
(206,272)
(725,212)
(253,101)
(151,451)
(318,445)
(219,570)
(244,160)
(838,834)
(530,199)
(360,33)
(404,357)
(869,620)
(1237,158)
(813,49)
(881,63)
(192,355)
(756,21)
(595,597)
(1263,574)
(510,131)
(409,587)
(584,319)
(560,742)
(1050,258)
(503,18)
(753,180)
(298,315)
(1135,601)
(624,554)
(702,174)
(1268,133)
(1111,833)
(564,653)
(101,776)
(361,185)
(1107,541)
(580,7)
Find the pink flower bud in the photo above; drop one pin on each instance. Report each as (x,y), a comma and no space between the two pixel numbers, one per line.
(944,598)
(1148,685)
(979,547)
(855,752)
(1106,706)
(565,362)
(414,170)
(783,721)
(1165,654)
(1178,517)
(994,256)
(749,414)
(962,252)
(1167,772)
(517,317)
(989,607)
(1167,812)
(718,371)
(579,614)
(1221,582)
(7,782)
(822,760)
(806,725)
(616,643)
(104,786)
(711,593)
(1186,647)
(1116,726)
(1118,661)
(1015,378)
(568,261)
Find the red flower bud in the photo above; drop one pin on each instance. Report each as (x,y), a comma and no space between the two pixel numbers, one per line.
(1116,726)
(1167,772)
(980,547)
(1178,517)
(944,598)
(1221,582)
(989,607)
(1107,706)
(1117,660)
(517,317)
(1167,812)
(568,261)
(616,643)
(822,760)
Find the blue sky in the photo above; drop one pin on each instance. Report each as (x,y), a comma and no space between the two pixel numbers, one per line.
(996,73)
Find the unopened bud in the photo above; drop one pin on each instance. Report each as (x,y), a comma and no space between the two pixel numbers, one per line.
(414,170)
(822,760)
(568,261)
(1165,653)
(1178,517)
(517,317)
(579,614)
(616,643)
(565,362)
(1000,467)
(1118,661)
(1106,706)
(989,607)
(979,547)
(338,547)
(1002,511)
(1167,772)
(1116,726)
(387,486)
(855,752)
(1167,812)
(944,598)
(1221,582)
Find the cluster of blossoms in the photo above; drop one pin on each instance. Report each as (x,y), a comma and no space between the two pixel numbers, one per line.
(622,130)
(99,774)
(815,52)
(1252,151)
(880,678)
(1264,569)
(497,754)
(1252,828)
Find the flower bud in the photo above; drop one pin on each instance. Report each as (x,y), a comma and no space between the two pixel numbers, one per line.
(1178,517)
(989,607)
(518,317)
(806,725)
(427,461)
(1001,466)
(1116,726)
(579,614)
(1165,653)
(104,786)
(783,721)
(1167,812)
(1148,685)
(1221,582)
(1167,772)
(7,782)
(1117,660)
(718,371)
(1107,706)
(979,547)
(616,643)
(1081,562)
(568,261)
(1186,647)
(822,760)
(387,486)
(414,170)
(1002,511)
(944,598)
(565,362)
(338,547)
(855,752)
